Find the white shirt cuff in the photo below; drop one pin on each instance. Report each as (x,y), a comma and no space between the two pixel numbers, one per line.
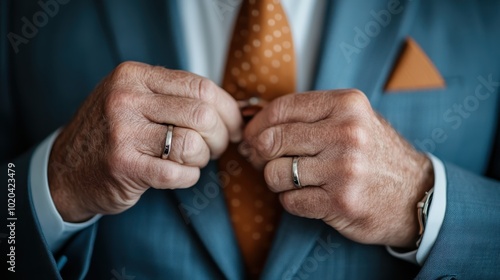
(54,229)
(435,217)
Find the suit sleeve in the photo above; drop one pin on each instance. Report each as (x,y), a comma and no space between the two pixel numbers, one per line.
(468,244)
(30,256)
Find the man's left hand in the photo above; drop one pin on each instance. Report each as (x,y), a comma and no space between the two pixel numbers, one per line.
(359,175)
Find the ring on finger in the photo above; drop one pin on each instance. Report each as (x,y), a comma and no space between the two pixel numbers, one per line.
(295,173)
(168,142)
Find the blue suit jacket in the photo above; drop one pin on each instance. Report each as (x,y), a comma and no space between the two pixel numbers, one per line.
(43,84)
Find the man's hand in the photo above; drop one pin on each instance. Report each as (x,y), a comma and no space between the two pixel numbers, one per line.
(361,177)
(109,154)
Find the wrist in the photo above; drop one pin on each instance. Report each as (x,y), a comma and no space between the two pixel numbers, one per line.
(423,186)
(422,182)
(69,205)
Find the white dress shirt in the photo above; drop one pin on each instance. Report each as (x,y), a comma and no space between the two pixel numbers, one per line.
(207,26)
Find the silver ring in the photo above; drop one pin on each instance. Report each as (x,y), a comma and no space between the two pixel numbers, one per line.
(295,172)
(168,142)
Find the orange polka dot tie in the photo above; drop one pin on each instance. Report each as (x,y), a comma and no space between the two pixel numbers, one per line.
(260,63)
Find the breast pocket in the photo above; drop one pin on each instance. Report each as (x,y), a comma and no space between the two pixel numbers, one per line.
(456,123)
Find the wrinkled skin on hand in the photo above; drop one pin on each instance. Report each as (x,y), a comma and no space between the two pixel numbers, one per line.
(362,178)
(109,154)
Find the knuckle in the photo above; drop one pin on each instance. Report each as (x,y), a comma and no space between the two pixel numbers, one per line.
(192,179)
(180,75)
(125,69)
(355,135)
(269,142)
(288,201)
(179,177)
(272,176)
(168,176)
(185,80)
(357,97)
(206,89)
(276,110)
(122,68)
(121,103)
(191,146)
(355,101)
(204,117)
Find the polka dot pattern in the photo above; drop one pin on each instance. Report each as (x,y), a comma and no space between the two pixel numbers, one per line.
(261,38)
(261,62)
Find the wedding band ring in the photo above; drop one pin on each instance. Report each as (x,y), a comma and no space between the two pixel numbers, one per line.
(168,142)
(295,173)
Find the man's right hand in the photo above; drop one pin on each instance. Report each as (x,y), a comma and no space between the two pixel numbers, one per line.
(109,154)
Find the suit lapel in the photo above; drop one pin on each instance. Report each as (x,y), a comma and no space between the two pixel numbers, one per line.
(145,31)
(359,51)
(204,208)
(293,241)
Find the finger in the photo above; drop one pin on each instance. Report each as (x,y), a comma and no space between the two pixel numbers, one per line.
(187,148)
(288,108)
(279,178)
(301,139)
(184,84)
(306,107)
(313,203)
(166,174)
(188,113)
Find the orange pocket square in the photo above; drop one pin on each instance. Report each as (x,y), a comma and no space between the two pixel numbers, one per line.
(414,71)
